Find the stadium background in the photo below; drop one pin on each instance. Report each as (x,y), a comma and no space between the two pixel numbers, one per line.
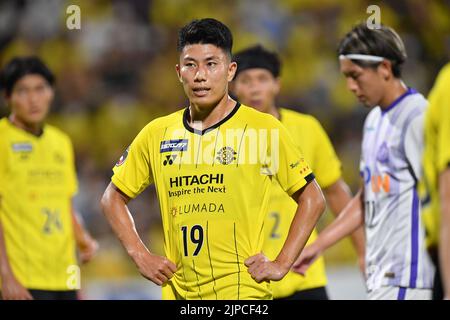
(117,73)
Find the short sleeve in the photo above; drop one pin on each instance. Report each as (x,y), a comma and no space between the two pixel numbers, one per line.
(444,138)
(440,101)
(132,172)
(293,172)
(327,167)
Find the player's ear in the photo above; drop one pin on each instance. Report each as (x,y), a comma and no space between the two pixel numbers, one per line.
(277,87)
(232,67)
(385,69)
(51,93)
(177,68)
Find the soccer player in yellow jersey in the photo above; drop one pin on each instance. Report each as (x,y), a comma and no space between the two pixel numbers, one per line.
(39,228)
(437,180)
(257,84)
(213,164)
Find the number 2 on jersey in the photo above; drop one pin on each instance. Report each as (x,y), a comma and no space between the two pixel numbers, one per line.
(196,237)
(274,233)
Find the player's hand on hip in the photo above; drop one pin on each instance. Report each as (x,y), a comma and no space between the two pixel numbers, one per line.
(88,249)
(155,268)
(308,255)
(261,268)
(13,290)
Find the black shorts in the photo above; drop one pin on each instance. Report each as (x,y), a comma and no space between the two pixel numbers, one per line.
(54,295)
(438,290)
(319,293)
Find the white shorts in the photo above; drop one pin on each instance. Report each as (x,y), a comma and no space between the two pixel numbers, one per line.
(399,293)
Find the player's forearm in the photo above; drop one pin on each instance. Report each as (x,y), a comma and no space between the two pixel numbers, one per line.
(444,243)
(80,232)
(119,217)
(338,195)
(311,205)
(348,221)
(5,268)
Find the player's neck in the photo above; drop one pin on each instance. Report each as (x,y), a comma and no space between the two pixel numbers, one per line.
(202,118)
(392,93)
(33,128)
(273,110)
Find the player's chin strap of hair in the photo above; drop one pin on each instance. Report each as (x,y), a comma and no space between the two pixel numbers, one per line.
(365,57)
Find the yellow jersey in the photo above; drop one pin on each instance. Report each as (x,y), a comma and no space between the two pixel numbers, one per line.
(312,140)
(213,187)
(37,183)
(436,152)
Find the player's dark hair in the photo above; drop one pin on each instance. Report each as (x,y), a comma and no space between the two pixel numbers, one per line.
(206,31)
(19,67)
(383,42)
(257,57)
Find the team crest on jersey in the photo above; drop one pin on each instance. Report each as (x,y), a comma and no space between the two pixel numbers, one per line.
(173,145)
(59,158)
(123,158)
(383,153)
(226,155)
(22,147)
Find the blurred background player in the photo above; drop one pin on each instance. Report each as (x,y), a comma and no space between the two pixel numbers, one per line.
(397,263)
(213,199)
(39,228)
(437,181)
(257,84)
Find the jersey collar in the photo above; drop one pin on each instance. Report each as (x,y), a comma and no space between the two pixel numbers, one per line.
(187,118)
(397,101)
(25,132)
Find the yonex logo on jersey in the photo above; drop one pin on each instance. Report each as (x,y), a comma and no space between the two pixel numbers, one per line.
(173,145)
(22,147)
(169,159)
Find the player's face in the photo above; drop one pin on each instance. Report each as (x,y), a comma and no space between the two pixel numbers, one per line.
(367,84)
(30,99)
(257,88)
(205,71)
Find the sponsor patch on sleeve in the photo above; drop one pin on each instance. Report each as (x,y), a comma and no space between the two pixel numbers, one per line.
(122,158)
(173,145)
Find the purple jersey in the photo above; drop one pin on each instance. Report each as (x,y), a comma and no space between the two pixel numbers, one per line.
(391,167)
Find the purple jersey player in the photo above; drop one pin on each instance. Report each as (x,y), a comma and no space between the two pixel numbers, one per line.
(397,263)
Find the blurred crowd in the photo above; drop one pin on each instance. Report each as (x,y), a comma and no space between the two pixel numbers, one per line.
(117,73)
